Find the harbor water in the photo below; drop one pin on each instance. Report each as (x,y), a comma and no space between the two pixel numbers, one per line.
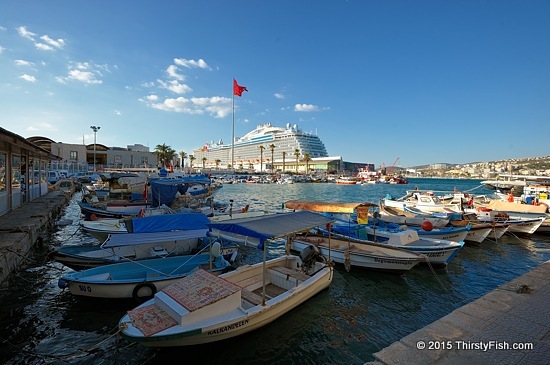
(361,312)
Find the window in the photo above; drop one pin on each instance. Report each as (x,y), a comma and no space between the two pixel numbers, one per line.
(73,155)
(2,172)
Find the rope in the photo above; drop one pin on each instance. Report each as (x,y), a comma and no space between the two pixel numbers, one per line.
(433,272)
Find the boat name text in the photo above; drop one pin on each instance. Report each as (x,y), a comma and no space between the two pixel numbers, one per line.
(229,327)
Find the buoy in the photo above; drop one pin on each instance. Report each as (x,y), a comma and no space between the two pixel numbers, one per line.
(93,217)
(427,226)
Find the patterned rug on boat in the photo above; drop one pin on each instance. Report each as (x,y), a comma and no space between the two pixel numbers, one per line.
(199,289)
(151,319)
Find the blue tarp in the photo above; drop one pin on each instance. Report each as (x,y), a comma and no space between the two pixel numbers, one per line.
(163,191)
(170,222)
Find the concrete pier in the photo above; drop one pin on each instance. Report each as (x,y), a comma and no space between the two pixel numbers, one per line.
(22,227)
(509,325)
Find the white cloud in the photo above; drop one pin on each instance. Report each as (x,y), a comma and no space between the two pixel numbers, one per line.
(172,71)
(117,112)
(191,63)
(86,72)
(305,108)
(86,77)
(218,107)
(23,63)
(1,49)
(23,32)
(279,96)
(47,43)
(175,87)
(28,78)
(56,43)
(2,29)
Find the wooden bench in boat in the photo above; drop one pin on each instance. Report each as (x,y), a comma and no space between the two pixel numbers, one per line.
(296,274)
(251,297)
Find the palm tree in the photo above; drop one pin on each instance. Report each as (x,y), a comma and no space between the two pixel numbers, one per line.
(272,147)
(307,159)
(261,158)
(217,162)
(297,154)
(284,156)
(183,157)
(191,159)
(164,153)
(203,162)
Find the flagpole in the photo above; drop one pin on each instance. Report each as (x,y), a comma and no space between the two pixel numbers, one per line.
(233,134)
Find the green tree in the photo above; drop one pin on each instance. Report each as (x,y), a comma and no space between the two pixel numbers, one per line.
(307,159)
(164,153)
(183,156)
(262,148)
(272,148)
(191,159)
(297,154)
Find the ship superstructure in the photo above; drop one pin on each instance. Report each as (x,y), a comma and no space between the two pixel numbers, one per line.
(247,152)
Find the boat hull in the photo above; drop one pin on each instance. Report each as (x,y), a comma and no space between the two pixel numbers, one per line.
(364,255)
(136,279)
(231,321)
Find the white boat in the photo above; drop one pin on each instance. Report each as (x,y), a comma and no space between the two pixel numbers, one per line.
(424,201)
(131,246)
(363,254)
(382,231)
(140,279)
(437,252)
(204,308)
(348,251)
(519,223)
(161,222)
(399,216)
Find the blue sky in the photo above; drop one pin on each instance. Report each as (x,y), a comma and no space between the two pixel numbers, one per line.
(422,81)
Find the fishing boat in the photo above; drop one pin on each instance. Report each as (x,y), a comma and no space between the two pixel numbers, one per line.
(143,278)
(399,216)
(162,222)
(204,308)
(363,254)
(137,246)
(347,250)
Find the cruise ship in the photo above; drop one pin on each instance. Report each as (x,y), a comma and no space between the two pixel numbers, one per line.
(247,152)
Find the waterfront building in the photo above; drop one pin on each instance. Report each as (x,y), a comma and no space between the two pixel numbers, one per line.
(23,170)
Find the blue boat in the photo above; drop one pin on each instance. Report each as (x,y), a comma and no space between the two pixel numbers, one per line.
(142,279)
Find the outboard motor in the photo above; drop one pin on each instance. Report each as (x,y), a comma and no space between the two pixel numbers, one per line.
(309,256)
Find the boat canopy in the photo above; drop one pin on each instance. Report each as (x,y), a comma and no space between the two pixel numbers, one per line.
(328,207)
(272,226)
(131,239)
(168,222)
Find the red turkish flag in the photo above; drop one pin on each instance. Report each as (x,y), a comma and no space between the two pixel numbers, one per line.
(238,90)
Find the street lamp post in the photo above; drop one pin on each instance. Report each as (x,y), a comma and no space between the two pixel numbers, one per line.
(95,129)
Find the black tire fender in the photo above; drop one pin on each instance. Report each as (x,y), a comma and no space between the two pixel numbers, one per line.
(138,287)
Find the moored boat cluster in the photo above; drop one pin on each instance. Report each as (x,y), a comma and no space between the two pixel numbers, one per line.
(180,263)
